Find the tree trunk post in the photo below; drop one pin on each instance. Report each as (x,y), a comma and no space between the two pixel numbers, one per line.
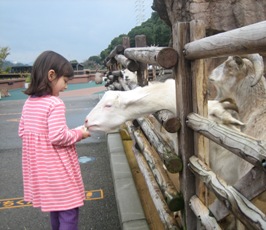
(184,107)
(142,73)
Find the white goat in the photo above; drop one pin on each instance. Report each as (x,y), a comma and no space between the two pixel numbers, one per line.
(117,107)
(242,80)
(129,75)
(221,160)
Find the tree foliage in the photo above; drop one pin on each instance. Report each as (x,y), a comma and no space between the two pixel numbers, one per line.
(92,63)
(156,31)
(4,52)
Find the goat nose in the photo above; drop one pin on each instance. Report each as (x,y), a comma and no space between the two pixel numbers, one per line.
(86,121)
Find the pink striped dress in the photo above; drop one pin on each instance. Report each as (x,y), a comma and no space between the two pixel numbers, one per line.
(51,172)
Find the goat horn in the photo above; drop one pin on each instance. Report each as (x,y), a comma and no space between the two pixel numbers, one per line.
(257,61)
(232,104)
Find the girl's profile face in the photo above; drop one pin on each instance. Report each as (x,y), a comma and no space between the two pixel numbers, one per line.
(59,85)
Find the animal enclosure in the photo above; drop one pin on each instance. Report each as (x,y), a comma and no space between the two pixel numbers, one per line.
(188,155)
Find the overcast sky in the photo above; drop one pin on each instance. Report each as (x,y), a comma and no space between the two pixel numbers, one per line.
(77,29)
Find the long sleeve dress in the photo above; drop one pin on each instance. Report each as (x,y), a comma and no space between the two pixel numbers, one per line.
(51,172)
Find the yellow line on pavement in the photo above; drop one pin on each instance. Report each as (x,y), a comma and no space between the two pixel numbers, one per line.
(20,203)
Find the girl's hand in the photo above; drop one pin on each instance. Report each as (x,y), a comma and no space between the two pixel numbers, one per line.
(84,130)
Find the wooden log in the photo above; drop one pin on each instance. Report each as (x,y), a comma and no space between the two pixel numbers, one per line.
(165,57)
(170,138)
(165,214)
(110,63)
(116,73)
(244,40)
(119,49)
(118,86)
(142,72)
(153,218)
(169,120)
(171,161)
(200,104)
(250,185)
(246,147)
(203,214)
(127,63)
(123,84)
(172,197)
(243,209)
(183,79)
(126,42)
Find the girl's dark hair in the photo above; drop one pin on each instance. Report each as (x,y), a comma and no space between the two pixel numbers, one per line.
(48,60)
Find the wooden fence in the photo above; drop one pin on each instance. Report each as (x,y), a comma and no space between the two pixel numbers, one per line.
(190,155)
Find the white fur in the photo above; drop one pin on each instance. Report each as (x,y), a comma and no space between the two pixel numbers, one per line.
(129,75)
(116,107)
(233,79)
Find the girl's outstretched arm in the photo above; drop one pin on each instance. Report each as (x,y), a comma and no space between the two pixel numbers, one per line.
(59,133)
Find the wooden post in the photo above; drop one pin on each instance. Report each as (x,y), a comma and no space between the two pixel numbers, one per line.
(184,107)
(142,73)
(169,121)
(126,42)
(200,100)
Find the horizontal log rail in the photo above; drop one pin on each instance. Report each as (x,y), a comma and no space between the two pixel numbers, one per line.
(250,186)
(127,63)
(246,147)
(170,138)
(169,120)
(164,212)
(165,57)
(245,40)
(203,214)
(173,198)
(167,154)
(119,49)
(243,209)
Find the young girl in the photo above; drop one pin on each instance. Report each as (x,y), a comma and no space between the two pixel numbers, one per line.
(51,172)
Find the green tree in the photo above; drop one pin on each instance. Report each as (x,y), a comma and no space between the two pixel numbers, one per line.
(157,33)
(94,62)
(4,52)
(116,41)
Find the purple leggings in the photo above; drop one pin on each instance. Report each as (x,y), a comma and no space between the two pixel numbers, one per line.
(65,220)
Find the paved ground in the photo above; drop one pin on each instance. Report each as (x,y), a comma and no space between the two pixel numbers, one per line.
(99,211)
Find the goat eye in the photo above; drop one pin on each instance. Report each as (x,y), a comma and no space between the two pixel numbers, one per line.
(108,106)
